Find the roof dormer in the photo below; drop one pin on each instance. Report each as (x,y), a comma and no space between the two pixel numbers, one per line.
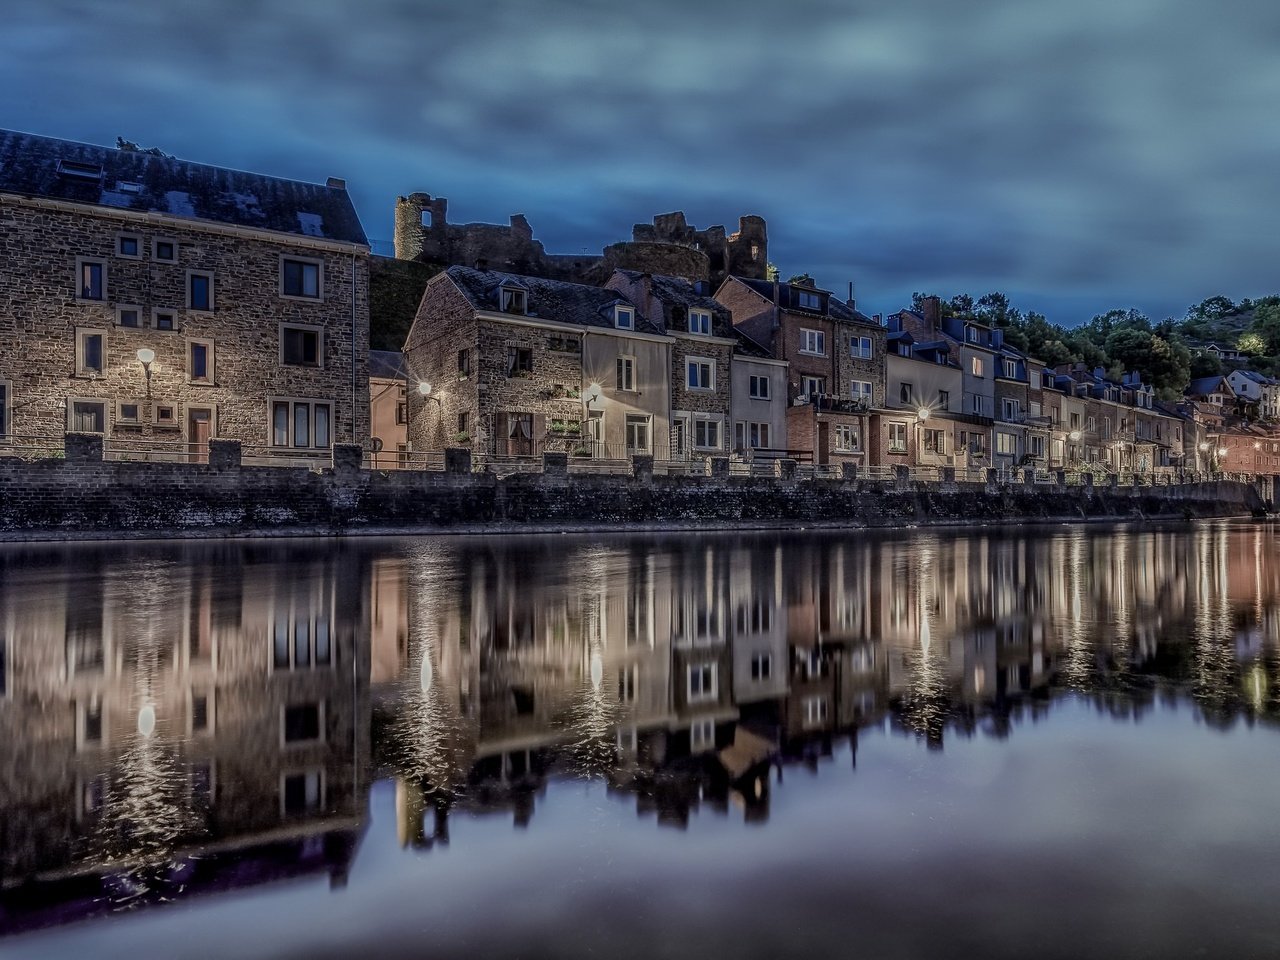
(624,316)
(513,297)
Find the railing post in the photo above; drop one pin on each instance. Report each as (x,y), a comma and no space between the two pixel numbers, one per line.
(1029,476)
(457,460)
(225,454)
(1061,478)
(949,475)
(83,447)
(1113,481)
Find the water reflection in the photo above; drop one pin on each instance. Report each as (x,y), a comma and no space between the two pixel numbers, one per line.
(199,718)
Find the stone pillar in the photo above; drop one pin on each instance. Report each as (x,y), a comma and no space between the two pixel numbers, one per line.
(993,477)
(901,474)
(1114,482)
(555,464)
(848,471)
(1029,476)
(83,447)
(948,474)
(348,456)
(1087,480)
(1061,477)
(718,467)
(642,467)
(784,468)
(224,454)
(457,460)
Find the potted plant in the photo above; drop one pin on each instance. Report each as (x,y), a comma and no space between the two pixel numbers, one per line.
(582,450)
(461,437)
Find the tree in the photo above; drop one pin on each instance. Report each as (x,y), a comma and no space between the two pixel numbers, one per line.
(771,272)
(1214,308)
(1205,365)
(1163,364)
(803,279)
(962,305)
(1252,344)
(1266,323)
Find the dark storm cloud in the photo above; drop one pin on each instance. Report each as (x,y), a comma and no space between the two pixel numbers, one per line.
(1088,154)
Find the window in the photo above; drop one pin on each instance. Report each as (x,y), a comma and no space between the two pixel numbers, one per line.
(91,353)
(513,300)
(860,348)
(935,442)
(1010,409)
(860,390)
(302,723)
(811,387)
(760,435)
(626,373)
(904,393)
(164,250)
(975,366)
(1011,369)
(463,421)
(1037,446)
(706,434)
(813,342)
(166,415)
(758,388)
(519,361)
(129,246)
(624,318)
(301,424)
(897,437)
(700,322)
(702,682)
(1075,421)
(979,405)
(301,346)
(200,361)
(944,399)
(1006,444)
(971,334)
(300,278)
(1092,425)
(129,317)
(402,412)
(848,438)
(128,412)
(5,403)
(977,444)
(755,251)
(199,290)
(164,320)
(91,279)
(201,715)
(700,374)
(761,666)
(808,300)
(301,793)
(301,640)
(815,711)
(464,363)
(637,433)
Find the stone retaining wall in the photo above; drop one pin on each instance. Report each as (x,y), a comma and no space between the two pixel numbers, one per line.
(83,497)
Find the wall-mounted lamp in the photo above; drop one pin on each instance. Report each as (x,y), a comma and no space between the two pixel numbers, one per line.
(592,394)
(1222,451)
(1074,436)
(424,390)
(923,414)
(146,357)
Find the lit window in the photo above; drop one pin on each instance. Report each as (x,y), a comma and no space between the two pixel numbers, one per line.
(300,278)
(301,424)
(699,322)
(91,279)
(91,353)
(975,366)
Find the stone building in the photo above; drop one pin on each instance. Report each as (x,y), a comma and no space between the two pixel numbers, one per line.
(668,246)
(518,365)
(161,303)
(835,358)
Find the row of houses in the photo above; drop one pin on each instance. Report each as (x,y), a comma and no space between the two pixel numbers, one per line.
(161,303)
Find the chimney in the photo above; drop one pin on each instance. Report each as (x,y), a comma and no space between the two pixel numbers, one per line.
(932,312)
(878,318)
(850,301)
(337,183)
(777,300)
(482,264)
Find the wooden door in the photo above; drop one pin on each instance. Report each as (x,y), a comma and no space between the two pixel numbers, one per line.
(199,428)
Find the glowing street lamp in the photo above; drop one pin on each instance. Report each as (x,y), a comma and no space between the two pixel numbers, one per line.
(146,357)
(424,391)
(923,414)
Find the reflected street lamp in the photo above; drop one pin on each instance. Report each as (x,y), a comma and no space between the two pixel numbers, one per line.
(146,357)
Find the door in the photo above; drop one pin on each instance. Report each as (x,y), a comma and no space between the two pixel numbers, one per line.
(678,449)
(199,429)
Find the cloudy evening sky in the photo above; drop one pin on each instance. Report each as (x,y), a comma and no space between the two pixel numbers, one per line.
(1078,155)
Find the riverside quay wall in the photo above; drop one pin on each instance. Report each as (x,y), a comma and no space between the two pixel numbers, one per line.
(81,496)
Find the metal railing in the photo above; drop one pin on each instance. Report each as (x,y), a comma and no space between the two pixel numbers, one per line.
(404,460)
(139,450)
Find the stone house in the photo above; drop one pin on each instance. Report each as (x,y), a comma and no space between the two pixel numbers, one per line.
(388,409)
(835,358)
(518,365)
(161,303)
(924,389)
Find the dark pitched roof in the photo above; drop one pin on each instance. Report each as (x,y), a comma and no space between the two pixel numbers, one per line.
(680,293)
(53,169)
(836,307)
(555,300)
(1204,386)
(388,364)
(749,348)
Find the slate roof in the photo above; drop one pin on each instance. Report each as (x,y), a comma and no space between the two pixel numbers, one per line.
(555,300)
(836,307)
(678,296)
(44,167)
(1256,377)
(388,364)
(1205,386)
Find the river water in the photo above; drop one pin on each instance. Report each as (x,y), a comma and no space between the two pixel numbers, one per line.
(1057,742)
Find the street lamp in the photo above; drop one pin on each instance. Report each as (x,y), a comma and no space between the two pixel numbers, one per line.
(146,357)
(424,390)
(923,414)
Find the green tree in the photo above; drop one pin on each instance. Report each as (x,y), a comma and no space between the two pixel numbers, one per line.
(1252,344)
(804,279)
(1205,365)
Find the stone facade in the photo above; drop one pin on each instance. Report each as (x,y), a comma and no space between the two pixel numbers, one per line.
(43,322)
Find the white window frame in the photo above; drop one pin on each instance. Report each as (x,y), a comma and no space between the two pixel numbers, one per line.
(708,424)
(898,427)
(310,328)
(976,367)
(817,710)
(1010,409)
(292,403)
(513,299)
(1010,369)
(758,432)
(135,308)
(624,317)
(761,667)
(626,365)
(809,381)
(208,275)
(936,438)
(848,438)
(321,710)
(121,238)
(700,322)
(636,419)
(690,363)
(210,363)
(709,688)
(155,249)
(308,262)
(1006,444)
(808,300)
(82,371)
(813,343)
(758,387)
(860,388)
(81,263)
(861,348)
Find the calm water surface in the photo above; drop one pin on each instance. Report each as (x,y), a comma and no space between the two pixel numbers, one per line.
(1055,743)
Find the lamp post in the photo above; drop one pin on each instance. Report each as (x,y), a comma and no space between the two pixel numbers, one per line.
(146,357)
(1074,436)
(590,396)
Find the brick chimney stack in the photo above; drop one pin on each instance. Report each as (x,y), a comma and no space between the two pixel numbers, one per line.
(933,313)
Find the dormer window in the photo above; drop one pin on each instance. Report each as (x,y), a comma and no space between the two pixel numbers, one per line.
(972,334)
(624,318)
(75,170)
(514,300)
(808,300)
(1010,369)
(700,322)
